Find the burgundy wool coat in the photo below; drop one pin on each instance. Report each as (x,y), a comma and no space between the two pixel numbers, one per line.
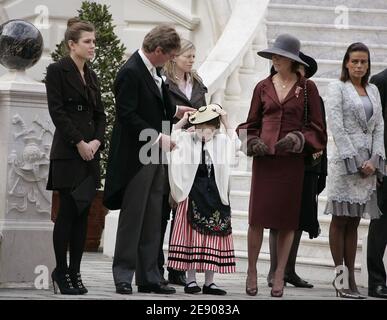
(277,178)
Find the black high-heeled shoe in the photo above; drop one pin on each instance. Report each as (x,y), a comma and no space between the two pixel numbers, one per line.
(63,282)
(76,280)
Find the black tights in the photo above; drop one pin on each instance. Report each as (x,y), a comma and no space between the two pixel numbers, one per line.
(69,232)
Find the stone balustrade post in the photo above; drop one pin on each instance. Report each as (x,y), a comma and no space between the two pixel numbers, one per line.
(26,133)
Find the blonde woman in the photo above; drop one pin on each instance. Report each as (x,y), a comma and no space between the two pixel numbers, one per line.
(185,85)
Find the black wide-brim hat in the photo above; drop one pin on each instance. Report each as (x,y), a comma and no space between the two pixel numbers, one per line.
(309,71)
(312,68)
(285,45)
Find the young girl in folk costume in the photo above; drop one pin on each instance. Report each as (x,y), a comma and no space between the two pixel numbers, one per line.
(199,168)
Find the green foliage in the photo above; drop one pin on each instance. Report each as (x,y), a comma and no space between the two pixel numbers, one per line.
(109,56)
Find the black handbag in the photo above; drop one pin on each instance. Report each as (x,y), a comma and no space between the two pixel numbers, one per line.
(311,160)
(84,194)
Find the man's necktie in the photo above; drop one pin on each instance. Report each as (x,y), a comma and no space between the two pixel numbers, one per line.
(157,79)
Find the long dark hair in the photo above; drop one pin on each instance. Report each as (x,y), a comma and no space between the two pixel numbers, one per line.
(357,46)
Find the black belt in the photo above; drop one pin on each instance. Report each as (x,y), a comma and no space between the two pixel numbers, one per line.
(81,107)
(78,107)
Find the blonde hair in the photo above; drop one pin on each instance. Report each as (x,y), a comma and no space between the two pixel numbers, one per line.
(75,27)
(169,68)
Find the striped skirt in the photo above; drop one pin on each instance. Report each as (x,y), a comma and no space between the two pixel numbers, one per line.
(191,250)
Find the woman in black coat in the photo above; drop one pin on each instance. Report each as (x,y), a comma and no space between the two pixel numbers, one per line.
(74,103)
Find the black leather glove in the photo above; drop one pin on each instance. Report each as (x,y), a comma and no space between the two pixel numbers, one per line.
(285,144)
(256,147)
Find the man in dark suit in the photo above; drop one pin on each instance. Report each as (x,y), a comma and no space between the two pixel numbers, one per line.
(377,232)
(135,175)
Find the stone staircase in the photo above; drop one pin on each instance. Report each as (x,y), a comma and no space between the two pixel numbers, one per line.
(317,25)
(325,36)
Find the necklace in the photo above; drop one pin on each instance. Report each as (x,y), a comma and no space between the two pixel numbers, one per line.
(282,84)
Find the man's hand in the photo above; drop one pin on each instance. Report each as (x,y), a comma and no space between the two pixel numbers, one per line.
(94,144)
(166,144)
(181,110)
(85,151)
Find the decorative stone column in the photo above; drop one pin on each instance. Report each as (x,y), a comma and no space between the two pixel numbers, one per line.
(25,139)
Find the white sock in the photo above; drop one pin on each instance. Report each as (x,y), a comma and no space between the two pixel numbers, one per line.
(191,276)
(208,277)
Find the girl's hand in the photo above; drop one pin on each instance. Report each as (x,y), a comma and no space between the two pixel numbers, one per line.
(222,113)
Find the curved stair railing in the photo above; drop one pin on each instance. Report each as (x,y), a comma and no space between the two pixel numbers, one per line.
(233,53)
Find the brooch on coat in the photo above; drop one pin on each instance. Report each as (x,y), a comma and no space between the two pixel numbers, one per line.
(297,92)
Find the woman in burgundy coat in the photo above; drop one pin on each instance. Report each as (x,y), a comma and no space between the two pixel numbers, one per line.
(276,136)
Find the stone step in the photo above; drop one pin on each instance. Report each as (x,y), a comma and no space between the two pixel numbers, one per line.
(328,32)
(239,200)
(327,50)
(249,81)
(314,270)
(311,248)
(376,4)
(240,222)
(239,116)
(244,163)
(327,15)
(332,68)
(240,180)
(322,84)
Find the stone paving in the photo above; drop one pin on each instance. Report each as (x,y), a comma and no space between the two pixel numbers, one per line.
(97,275)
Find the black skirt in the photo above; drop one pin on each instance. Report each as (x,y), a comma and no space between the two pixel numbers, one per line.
(69,173)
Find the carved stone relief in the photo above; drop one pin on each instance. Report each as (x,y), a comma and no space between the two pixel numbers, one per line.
(28,168)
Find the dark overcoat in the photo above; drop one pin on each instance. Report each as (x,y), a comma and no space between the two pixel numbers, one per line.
(78,114)
(380,81)
(197,99)
(139,106)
